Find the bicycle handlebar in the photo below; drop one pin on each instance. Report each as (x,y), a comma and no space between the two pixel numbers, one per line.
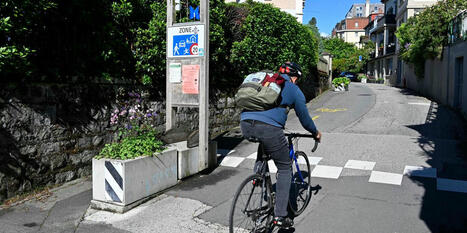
(301,135)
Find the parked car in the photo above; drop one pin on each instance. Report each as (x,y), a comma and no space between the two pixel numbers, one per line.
(352,76)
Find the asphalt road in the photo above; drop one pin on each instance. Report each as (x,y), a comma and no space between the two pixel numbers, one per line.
(371,134)
(388,162)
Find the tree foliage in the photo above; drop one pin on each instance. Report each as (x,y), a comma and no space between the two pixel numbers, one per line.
(424,36)
(346,56)
(52,40)
(271,38)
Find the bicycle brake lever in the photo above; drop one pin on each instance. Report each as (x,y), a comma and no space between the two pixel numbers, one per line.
(315,147)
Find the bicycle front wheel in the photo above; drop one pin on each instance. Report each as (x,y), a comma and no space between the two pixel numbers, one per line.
(252,206)
(300,189)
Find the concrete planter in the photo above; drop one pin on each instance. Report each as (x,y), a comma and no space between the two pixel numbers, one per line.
(119,185)
(188,159)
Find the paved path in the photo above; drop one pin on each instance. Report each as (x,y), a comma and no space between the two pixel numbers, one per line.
(388,163)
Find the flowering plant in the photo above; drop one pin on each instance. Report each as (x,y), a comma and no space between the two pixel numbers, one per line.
(133,117)
(136,134)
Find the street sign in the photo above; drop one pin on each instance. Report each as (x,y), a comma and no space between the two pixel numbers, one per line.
(194,13)
(186,41)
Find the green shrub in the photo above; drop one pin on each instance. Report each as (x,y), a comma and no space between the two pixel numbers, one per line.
(134,120)
(361,76)
(144,144)
(341,80)
(424,36)
(272,37)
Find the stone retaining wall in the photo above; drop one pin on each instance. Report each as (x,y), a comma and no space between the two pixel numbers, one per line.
(50,132)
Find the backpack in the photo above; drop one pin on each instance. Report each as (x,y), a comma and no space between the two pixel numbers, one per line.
(260,91)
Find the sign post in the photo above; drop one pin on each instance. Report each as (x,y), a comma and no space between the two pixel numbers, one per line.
(188,70)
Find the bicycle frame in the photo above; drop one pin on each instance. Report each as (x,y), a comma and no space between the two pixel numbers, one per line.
(292,156)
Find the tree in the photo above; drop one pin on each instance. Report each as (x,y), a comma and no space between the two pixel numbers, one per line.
(346,56)
(272,37)
(314,28)
(424,36)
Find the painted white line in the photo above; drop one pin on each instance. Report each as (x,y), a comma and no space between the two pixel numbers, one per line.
(232,161)
(385,178)
(314,160)
(420,171)
(451,185)
(326,172)
(419,103)
(252,156)
(358,164)
(272,167)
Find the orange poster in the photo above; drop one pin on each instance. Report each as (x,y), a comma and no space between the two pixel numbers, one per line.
(190,79)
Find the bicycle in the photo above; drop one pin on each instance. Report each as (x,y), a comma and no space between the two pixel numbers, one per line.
(259,205)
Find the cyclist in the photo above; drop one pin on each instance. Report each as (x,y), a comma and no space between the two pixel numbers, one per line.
(267,126)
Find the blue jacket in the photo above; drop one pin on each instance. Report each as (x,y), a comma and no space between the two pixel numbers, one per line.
(293,97)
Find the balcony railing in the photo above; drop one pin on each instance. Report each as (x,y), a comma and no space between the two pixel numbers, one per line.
(458,28)
(386,19)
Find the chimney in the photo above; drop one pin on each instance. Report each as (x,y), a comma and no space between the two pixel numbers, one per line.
(367,8)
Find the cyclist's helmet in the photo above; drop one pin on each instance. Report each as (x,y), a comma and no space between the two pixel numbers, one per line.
(291,69)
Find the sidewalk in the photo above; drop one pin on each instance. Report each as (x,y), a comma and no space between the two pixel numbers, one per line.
(67,210)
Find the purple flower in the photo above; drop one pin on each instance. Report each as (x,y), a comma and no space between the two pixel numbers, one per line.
(149,114)
(128,126)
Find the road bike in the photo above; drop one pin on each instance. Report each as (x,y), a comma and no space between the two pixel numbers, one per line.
(252,208)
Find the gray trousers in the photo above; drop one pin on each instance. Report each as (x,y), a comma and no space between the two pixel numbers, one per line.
(275,144)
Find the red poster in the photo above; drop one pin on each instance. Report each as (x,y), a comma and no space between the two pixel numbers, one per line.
(190,79)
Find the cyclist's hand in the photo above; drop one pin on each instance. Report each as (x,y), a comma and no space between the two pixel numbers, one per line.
(318,136)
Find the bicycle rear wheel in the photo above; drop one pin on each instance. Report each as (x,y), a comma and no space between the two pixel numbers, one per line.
(300,190)
(251,209)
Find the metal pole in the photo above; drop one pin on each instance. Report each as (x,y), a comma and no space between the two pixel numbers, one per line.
(204,90)
(170,113)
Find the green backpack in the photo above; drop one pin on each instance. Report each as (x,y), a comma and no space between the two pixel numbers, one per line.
(259,91)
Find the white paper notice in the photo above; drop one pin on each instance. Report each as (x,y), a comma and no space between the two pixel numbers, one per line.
(175,72)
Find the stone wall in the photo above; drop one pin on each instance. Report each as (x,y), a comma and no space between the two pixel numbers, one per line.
(50,132)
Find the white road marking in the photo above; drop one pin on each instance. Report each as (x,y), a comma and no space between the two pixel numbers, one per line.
(451,185)
(358,164)
(252,156)
(385,178)
(419,103)
(314,160)
(272,167)
(420,171)
(330,172)
(231,161)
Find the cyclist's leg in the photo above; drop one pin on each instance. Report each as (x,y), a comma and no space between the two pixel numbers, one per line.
(278,148)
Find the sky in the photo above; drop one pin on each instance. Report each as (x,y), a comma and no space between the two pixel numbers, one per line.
(328,12)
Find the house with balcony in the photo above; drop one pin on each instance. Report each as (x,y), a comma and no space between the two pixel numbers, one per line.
(351,29)
(381,30)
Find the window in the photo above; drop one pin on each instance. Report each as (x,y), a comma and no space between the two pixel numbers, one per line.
(356,24)
(356,34)
(376,8)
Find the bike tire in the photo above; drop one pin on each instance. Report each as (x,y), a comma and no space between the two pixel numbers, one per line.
(300,192)
(256,207)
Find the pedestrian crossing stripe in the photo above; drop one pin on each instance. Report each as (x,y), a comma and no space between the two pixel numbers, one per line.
(332,172)
(113,181)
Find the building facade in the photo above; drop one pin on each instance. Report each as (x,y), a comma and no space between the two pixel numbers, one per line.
(405,10)
(381,30)
(293,7)
(352,28)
